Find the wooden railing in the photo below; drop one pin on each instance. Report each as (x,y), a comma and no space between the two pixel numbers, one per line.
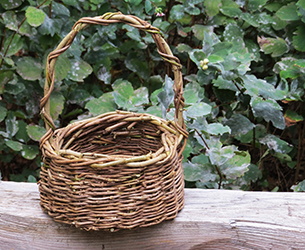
(211,219)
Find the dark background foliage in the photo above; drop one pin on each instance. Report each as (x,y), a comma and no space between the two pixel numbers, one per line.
(243,66)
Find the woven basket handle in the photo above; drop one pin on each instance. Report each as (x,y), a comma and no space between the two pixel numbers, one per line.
(106,19)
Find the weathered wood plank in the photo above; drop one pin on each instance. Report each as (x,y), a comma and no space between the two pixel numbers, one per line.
(211,219)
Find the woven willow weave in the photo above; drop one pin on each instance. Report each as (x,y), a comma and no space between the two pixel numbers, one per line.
(119,169)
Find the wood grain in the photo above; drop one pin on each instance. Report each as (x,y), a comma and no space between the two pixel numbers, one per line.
(211,219)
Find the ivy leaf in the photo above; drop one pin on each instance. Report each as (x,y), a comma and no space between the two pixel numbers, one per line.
(212,7)
(60,10)
(14,86)
(148,6)
(139,67)
(122,93)
(298,39)
(29,68)
(199,31)
(274,46)
(239,124)
(31,179)
(215,59)
(288,12)
(289,67)
(11,125)
(218,156)
(79,70)
(3,112)
(218,129)
(198,109)
(50,26)
(140,97)
(196,171)
(14,145)
(183,47)
(9,4)
(254,5)
(237,165)
(256,86)
(268,109)
(230,8)
(35,132)
(253,173)
(14,46)
(29,152)
(276,144)
(62,68)
(177,12)
(22,134)
(57,102)
(103,73)
(292,117)
(34,16)
(224,84)
(233,33)
(166,97)
(196,56)
(10,20)
(101,105)
(5,77)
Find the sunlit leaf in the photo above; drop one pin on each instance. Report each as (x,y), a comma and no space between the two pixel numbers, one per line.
(237,165)
(198,109)
(101,105)
(122,93)
(218,129)
(34,16)
(79,70)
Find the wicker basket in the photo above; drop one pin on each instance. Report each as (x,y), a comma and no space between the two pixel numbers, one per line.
(119,169)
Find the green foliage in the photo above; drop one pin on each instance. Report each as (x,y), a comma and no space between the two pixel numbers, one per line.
(243,73)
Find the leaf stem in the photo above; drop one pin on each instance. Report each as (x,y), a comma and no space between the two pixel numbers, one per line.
(216,167)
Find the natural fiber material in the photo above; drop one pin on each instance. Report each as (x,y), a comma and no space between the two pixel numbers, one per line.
(119,169)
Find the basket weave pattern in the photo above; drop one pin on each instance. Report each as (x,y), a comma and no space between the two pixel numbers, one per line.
(119,169)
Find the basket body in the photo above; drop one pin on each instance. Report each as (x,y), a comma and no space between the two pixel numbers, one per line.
(77,189)
(119,169)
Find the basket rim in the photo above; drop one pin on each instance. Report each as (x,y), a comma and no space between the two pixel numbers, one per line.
(55,148)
